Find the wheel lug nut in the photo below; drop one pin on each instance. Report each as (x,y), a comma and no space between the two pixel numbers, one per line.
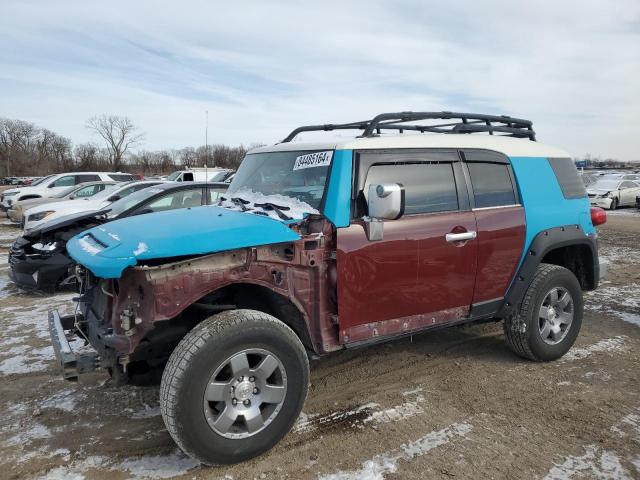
(255,391)
(247,403)
(252,379)
(240,379)
(234,401)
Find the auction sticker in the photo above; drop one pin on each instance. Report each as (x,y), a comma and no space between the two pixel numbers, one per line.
(317,159)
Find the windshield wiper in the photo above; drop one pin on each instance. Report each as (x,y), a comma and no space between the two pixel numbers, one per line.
(276,208)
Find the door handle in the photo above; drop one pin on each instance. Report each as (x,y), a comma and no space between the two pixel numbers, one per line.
(460,237)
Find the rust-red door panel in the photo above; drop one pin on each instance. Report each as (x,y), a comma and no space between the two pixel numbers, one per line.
(501,237)
(409,280)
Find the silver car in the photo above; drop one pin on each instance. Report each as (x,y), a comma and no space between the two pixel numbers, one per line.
(82,190)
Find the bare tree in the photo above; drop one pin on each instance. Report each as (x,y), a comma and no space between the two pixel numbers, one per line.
(119,133)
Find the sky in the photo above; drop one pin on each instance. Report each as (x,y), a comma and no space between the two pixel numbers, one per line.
(262,68)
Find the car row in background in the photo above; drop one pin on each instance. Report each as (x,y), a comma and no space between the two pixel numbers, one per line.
(82,190)
(611,191)
(39,260)
(18,180)
(53,184)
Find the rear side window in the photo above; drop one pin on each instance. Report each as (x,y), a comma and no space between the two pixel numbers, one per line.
(568,178)
(492,185)
(121,177)
(428,187)
(85,177)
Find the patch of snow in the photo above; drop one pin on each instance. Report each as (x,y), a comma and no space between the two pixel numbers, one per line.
(607,345)
(157,466)
(87,247)
(563,384)
(67,400)
(635,461)
(399,412)
(147,412)
(297,208)
(622,301)
(142,247)
(594,464)
(628,426)
(378,466)
(35,432)
(310,422)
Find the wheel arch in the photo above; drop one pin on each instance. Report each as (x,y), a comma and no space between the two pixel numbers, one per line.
(29,197)
(255,296)
(567,246)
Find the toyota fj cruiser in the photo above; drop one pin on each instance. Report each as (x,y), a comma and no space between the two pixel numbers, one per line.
(326,246)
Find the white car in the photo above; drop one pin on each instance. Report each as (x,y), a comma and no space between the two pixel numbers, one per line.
(36,216)
(214,174)
(49,186)
(612,193)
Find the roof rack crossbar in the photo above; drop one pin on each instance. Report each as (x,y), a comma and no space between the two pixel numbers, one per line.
(467,123)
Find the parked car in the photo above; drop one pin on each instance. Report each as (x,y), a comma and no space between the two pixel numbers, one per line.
(36,216)
(39,259)
(612,193)
(325,246)
(54,184)
(200,175)
(82,190)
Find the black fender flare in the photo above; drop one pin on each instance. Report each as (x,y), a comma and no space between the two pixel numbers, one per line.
(544,242)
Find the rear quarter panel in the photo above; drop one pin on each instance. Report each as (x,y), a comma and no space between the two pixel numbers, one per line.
(544,203)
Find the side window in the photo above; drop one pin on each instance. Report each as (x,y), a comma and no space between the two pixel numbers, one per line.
(492,186)
(214,195)
(121,177)
(628,185)
(180,199)
(66,181)
(187,177)
(87,178)
(88,191)
(429,187)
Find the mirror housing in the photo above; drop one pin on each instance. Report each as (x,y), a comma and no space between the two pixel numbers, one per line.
(113,198)
(386,201)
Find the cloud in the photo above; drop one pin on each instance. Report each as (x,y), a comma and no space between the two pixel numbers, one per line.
(263,68)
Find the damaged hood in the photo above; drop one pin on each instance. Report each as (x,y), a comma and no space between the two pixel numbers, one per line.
(108,249)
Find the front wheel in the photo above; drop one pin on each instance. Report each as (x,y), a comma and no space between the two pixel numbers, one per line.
(614,203)
(234,386)
(549,319)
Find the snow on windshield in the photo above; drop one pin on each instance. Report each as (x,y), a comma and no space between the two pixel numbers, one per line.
(290,206)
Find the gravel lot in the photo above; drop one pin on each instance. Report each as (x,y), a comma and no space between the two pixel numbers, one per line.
(452,403)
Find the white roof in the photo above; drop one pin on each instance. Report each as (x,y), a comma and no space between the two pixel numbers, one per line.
(510,146)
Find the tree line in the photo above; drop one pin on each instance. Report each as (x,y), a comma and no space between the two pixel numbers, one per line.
(28,150)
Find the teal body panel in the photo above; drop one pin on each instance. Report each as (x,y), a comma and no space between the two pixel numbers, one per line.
(337,205)
(108,249)
(544,204)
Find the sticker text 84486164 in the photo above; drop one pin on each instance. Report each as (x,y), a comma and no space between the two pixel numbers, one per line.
(317,159)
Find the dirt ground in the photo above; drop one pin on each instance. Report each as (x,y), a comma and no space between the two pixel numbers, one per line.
(451,403)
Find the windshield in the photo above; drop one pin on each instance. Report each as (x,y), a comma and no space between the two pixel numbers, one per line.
(174,175)
(65,192)
(131,200)
(218,177)
(606,184)
(287,177)
(40,180)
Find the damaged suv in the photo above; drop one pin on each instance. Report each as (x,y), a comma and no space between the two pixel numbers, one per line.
(318,247)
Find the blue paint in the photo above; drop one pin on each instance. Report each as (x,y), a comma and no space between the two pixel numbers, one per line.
(544,205)
(194,231)
(337,206)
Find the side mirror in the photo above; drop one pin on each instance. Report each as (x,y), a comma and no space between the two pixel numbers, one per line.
(385,202)
(113,198)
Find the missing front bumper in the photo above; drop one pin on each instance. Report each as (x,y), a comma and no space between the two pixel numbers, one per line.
(71,363)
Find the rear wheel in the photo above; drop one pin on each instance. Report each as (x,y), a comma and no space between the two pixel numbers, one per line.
(549,319)
(234,386)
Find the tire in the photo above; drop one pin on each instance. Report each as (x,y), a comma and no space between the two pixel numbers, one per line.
(528,332)
(614,204)
(203,360)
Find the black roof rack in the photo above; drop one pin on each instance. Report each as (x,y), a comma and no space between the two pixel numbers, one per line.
(463,123)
